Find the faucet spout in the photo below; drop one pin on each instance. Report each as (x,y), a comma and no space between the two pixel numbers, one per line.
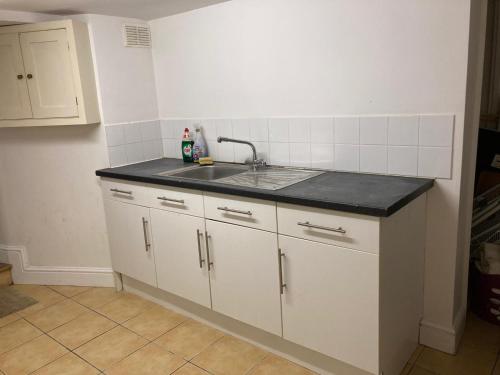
(256,163)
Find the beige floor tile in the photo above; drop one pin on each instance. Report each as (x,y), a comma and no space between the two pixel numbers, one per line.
(480,334)
(68,290)
(16,334)
(190,369)
(56,315)
(96,297)
(189,338)
(125,307)
(417,370)
(44,295)
(31,356)
(82,329)
(149,360)
(276,365)
(406,370)
(416,354)
(469,360)
(111,347)
(67,364)
(9,319)
(229,356)
(154,322)
(496,369)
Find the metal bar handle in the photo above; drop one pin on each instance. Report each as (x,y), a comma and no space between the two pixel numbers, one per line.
(144,228)
(227,209)
(171,200)
(121,191)
(309,225)
(201,260)
(209,262)
(280,265)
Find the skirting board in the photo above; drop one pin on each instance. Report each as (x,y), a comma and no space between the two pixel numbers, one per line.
(443,338)
(24,273)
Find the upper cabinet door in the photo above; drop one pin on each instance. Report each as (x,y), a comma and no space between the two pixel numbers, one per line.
(14,98)
(49,73)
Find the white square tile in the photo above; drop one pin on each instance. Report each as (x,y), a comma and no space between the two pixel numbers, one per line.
(322,130)
(241,129)
(402,160)
(168,129)
(347,130)
(115,135)
(403,131)
(262,150)
(134,152)
(373,130)
(224,128)
(133,132)
(259,130)
(172,148)
(300,155)
(150,130)
(225,152)
(279,130)
(212,149)
(117,155)
(279,154)
(373,159)
(299,130)
(209,129)
(152,149)
(436,130)
(434,162)
(242,153)
(346,157)
(322,156)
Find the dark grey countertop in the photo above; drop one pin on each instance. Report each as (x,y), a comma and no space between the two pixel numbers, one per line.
(369,194)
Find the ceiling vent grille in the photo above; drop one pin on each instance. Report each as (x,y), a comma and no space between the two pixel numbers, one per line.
(136,35)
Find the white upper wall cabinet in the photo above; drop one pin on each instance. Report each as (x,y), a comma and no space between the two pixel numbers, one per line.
(47,75)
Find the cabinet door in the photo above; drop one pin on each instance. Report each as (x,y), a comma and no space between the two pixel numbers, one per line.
(180,255)
(129,234)
(244,276)
(14,98)
(49,73)
(330,301)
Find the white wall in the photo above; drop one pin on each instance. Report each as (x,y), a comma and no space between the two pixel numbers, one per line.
(248,58)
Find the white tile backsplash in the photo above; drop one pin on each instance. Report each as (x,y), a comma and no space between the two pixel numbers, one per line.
(373,130)
(436,130)
(373,159)
(402,160)
(409,145)
(434,162)
(347,130)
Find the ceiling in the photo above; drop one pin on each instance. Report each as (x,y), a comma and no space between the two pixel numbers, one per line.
(144,9)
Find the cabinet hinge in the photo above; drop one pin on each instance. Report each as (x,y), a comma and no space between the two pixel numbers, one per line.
(76,99)
(68,46)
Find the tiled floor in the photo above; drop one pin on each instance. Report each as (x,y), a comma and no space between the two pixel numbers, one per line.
(79,331)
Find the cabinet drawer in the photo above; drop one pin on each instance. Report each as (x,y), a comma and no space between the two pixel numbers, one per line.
(332,227)
(177,200)
(254,213)
(129,192)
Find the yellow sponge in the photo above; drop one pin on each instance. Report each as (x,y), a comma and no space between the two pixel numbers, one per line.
(206,161)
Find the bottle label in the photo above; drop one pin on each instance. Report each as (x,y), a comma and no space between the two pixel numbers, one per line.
(186,150)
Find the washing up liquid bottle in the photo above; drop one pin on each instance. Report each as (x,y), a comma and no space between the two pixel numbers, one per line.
(200,146)
(187,147)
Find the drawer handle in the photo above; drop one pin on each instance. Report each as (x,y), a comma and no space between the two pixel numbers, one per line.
(114,190)
(145,229)
(171,200)
(227,209)
(201,260)
(209,262)
(281,255)
(309,225)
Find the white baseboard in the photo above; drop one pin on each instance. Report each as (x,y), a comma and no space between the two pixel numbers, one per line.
(444,338)
(24,273)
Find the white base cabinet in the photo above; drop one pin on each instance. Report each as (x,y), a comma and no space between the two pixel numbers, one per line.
(243,274)
(181,260)
(331,292)
(347,286)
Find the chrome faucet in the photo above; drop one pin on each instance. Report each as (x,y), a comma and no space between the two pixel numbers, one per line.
(256,162)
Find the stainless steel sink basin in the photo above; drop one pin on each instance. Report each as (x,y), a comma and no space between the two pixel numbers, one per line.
(207,173)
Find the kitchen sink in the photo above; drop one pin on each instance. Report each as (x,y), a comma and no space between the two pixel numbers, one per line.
(207,173)
(268,178)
